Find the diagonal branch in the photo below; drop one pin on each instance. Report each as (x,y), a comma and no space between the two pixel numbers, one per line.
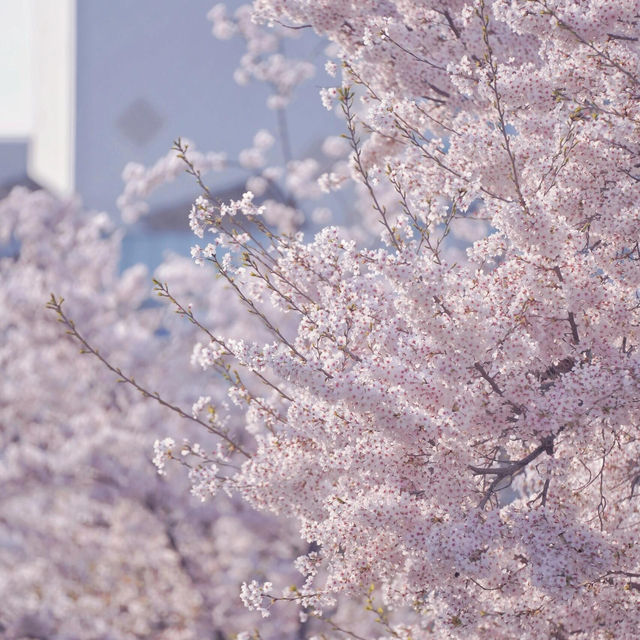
(508,471)
(55,304)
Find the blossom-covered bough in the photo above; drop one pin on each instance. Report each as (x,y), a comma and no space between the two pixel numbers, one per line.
(459,437)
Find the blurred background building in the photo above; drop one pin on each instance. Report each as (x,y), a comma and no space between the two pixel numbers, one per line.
(87,86)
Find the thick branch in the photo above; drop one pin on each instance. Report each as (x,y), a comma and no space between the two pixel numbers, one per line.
(508,471)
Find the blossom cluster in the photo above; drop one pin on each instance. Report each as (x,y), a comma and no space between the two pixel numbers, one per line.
(461,433)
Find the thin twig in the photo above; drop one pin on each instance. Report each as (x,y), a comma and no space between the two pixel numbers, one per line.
(55,304)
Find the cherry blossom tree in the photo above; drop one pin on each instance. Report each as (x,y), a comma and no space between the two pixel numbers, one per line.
(455,439)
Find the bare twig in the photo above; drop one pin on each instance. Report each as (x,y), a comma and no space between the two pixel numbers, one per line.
(55,304)
(346,97)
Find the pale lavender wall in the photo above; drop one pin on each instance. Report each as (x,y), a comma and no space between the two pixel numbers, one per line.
(161,54)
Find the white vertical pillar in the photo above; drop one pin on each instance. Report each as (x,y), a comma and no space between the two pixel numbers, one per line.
(51,158)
